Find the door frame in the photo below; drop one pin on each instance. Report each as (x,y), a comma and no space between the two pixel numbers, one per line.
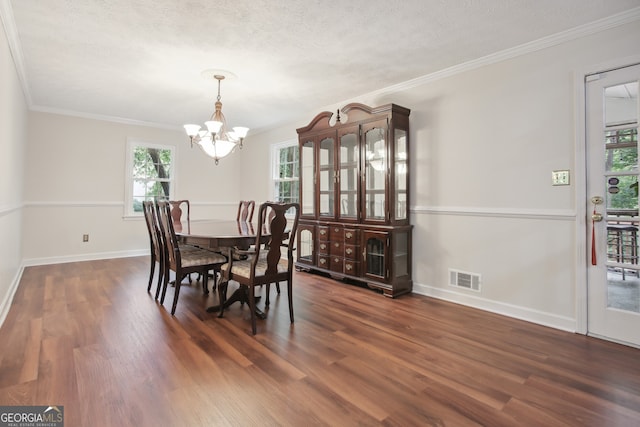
(582,203)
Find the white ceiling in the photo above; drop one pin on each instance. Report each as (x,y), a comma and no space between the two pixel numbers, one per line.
(141,60)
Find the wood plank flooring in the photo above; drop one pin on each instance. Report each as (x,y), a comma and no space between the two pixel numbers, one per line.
(88,336)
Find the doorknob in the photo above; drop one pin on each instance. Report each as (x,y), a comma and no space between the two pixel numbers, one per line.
(596,200)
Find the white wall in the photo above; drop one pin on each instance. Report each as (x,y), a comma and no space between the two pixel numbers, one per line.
(13,131)
(484,144)
(75,185)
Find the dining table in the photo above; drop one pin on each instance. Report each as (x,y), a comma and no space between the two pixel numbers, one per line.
(222,235)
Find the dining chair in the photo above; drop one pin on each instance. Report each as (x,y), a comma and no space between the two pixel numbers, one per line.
(181,261)
(264,264)
(245,210)
(155,242)
(268,217)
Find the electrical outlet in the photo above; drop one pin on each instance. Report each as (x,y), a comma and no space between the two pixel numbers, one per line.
(560,177)
(85,237)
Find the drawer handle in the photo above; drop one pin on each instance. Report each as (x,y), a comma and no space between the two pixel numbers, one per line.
(323,232)
(348,267)
(323,261)
(348,251)
(323,246)
(337,245)
(336,229)
(348,235)
(336,259)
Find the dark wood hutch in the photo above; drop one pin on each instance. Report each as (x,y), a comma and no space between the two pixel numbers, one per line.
(354,197)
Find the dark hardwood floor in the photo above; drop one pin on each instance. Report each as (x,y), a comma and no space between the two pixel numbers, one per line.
(88,336)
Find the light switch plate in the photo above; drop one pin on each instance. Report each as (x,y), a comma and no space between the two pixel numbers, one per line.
(560,177)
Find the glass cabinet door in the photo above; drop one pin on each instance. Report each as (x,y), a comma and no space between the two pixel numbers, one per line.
(375,176)
(375,254)
(348,158)
(307,176)
(326,166)
(401,173)
(306,243)
(401,253)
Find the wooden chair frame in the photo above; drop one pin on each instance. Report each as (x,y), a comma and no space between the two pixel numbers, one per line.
(156,242)
(264,264)
(183,262)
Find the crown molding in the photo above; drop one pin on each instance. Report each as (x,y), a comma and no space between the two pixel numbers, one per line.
(104,118)
(604,24)
(9,23)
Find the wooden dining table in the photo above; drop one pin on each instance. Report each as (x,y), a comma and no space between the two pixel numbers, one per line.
(222,235)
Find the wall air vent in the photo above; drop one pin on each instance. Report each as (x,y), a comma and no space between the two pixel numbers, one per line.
(464,279)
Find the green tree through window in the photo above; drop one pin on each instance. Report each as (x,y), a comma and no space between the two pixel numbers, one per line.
(286,172)
(622,156)
(150,174)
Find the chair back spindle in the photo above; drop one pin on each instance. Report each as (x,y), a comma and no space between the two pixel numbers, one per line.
(245,210)
(177,213)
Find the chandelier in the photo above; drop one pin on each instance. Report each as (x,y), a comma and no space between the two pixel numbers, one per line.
(216,141)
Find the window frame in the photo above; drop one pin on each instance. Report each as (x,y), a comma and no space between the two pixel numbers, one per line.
(275,167)
(132,144)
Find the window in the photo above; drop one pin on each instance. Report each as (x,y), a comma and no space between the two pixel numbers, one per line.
(285,172)
(150,174)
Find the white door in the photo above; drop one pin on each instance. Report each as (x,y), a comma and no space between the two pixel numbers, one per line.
(613,277)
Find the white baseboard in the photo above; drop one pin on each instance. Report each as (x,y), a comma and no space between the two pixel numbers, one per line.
(8,298)
(83,257)
(517,312)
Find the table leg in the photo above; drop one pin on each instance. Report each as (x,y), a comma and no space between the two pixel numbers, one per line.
(241,294)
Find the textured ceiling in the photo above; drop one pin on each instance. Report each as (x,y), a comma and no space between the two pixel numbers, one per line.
(142,60)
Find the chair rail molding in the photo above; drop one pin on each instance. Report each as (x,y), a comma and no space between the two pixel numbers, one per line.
(7,209)
(551,214)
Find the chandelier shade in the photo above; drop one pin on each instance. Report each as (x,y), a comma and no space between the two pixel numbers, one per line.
(216,141)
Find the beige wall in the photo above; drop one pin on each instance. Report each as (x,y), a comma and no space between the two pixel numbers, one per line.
(13,130)
(75,179)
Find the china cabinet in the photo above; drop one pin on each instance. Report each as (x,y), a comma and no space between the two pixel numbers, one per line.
(354,197)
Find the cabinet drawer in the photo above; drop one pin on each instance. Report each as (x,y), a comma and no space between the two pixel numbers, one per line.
(323,261)
(337,264)
(336,248)
(323,247)
(351,267)
(351,252)
(323,233)
(350,236)
(336,233)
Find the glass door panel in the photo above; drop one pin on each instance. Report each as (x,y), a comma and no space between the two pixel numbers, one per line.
(375,260)
(349,175)
(375,166)
(307,175)
(305,246)
(401,254)
(326,166)
(401,174)
(621,195)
